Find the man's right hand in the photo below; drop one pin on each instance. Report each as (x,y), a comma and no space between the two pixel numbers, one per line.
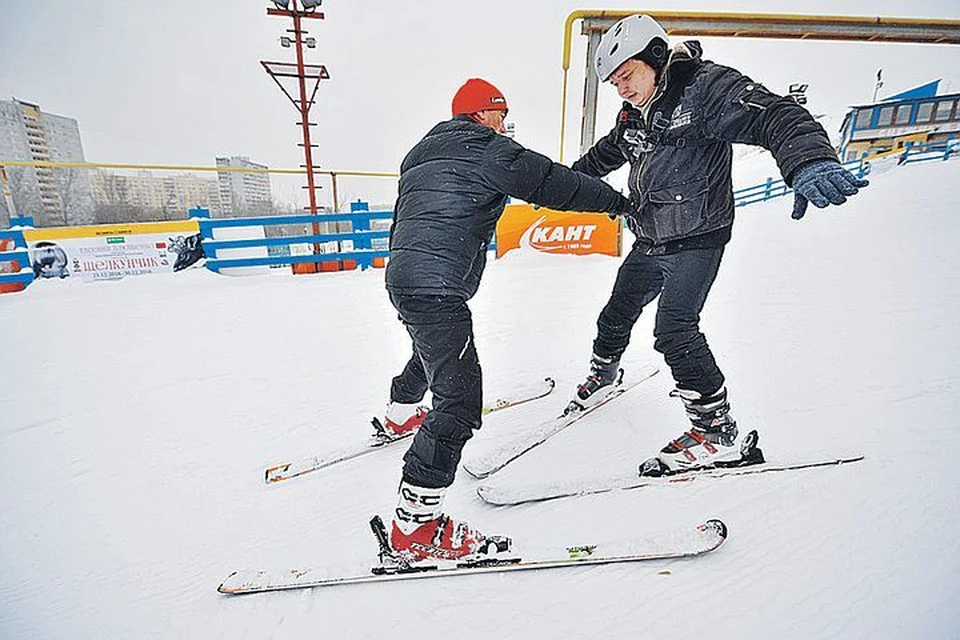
(624,208)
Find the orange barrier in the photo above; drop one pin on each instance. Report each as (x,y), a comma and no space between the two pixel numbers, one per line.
(6,244)
(551,231)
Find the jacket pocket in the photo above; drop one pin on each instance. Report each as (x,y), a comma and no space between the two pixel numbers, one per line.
(675,212)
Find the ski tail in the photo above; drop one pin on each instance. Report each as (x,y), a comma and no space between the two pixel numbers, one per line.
(509,495)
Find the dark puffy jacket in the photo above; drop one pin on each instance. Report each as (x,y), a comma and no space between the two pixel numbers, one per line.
(680,184)
(453,187)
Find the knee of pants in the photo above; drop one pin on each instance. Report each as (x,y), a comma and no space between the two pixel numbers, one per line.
(443,425)
(432,460)
(462,405)
(678,343)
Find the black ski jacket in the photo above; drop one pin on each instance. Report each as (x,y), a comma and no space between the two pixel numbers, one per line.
(453,187)
(680,159)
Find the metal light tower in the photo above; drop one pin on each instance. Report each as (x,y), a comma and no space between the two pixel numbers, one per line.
(307,9)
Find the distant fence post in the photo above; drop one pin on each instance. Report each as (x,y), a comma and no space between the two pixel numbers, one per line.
(362,224)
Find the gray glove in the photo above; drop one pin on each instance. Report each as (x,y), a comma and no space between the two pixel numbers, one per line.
(822,182)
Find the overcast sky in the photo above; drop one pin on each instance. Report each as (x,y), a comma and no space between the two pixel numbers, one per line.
(179,82)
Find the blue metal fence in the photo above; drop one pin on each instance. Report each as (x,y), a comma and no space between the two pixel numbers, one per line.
(369,244)
(910,154)
(363,238)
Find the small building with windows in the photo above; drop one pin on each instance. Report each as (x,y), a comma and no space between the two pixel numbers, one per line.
(915,117)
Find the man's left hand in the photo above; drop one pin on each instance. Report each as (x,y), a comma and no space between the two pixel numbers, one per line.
(823,182)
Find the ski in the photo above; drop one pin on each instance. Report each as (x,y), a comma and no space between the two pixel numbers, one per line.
(505,495)
(691,543)
(484,465)
(288,470)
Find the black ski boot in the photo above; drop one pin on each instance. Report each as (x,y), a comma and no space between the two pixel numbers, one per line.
(605,373)
(711,442)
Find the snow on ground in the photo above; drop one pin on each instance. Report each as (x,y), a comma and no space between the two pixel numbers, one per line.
(136,418)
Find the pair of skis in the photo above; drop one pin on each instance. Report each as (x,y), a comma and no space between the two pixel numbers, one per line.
(288,470)
(687,543)
(479,466)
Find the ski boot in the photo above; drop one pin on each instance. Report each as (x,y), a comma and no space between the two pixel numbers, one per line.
(421,535)
(605,374)
(711,442)
(401,420)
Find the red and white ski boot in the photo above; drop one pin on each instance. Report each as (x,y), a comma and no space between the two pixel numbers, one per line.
(422,534)
(400,420)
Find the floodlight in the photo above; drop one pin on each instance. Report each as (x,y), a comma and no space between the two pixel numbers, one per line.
(310,4)
(310,42)
(285,42)
(282,4)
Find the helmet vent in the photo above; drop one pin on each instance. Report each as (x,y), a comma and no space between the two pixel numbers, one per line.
(614,48)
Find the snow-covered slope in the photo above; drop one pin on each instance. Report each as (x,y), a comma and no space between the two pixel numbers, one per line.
(136,417)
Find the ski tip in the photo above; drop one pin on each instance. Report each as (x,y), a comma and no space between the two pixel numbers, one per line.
(550,382)
(715,526)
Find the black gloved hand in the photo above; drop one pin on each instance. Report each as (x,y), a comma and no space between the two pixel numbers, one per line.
(629,125)
(822,182)
(624,208)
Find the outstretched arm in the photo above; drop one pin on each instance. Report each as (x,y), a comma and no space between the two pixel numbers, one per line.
(741,110)
(535,178)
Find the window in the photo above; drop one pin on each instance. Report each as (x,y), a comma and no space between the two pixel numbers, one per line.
(903,113)
(944,109)
(886,117)
(864,116)
(925,112)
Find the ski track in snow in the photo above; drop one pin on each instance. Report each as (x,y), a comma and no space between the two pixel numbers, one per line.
(137,418)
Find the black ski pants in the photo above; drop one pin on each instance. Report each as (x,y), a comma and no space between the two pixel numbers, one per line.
(682,280)
(445,361)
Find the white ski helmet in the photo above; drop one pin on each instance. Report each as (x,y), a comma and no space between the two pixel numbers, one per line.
(628,38)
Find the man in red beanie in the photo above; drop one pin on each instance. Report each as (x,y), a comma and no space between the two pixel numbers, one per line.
(453,188)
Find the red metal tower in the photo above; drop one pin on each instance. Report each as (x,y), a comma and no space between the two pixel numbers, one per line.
(301,72)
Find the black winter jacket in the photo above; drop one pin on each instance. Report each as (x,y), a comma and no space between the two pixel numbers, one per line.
(453,187)
(680,184)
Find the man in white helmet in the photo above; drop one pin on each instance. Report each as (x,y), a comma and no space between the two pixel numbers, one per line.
(680,116)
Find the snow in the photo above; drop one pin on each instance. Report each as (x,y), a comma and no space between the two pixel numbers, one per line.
(136,418)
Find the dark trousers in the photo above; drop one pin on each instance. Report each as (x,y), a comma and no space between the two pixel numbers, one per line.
(445,361)
(682,280)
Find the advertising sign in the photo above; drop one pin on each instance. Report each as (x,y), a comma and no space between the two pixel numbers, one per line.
(108,252)
(548,231)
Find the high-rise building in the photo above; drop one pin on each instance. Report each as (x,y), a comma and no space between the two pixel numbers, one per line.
(146,196)
(52,196)
(244,193)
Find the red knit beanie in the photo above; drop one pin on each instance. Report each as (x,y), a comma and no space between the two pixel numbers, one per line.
(477,95)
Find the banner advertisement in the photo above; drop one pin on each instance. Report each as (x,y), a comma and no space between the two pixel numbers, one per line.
(548,231)
(108,252)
